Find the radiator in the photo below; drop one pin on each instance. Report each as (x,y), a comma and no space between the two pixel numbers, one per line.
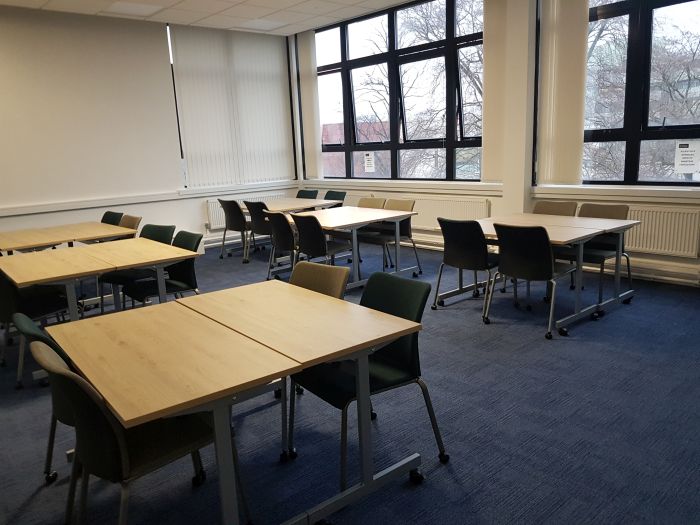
(664,231)
(215,213)
(430,209)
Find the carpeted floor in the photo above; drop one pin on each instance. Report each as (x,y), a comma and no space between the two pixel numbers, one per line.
(602,426)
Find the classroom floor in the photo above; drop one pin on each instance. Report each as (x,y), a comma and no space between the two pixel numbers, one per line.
(598,427)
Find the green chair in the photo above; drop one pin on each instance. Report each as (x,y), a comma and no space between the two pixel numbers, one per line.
(154,232)
(334,195)
(181,275)
(307,194)
(60,410)
(393,366)
(111,217)
(104,448)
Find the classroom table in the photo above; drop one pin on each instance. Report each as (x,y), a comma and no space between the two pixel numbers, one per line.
(290,204)
(55,235)
(64,266)
(572,231)
(204,350)
(352,218)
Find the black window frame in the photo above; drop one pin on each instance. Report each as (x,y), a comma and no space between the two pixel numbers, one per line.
(394,57)
(636,110)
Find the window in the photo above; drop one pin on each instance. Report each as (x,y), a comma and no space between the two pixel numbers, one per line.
(405,91)
(642,96)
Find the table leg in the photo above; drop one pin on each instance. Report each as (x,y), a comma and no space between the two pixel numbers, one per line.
(224,460)
(160,276)
(355,257)
(116,298)
(72,301)
(363,418)
(579,277)
(397,246)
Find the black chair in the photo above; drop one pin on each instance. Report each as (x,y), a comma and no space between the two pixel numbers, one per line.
(333,195)
(283,240)
(154,232)
(307,194)
(181,275)
(60,411)
(465,248)
(235,221)
(37,302)
(258,222)
(393,366)
(313,242)
(525,253)
(104,448)
(111,217)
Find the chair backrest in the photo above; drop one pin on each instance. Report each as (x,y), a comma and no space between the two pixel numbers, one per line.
(464,244)
(282,233)
(235,218)
(402,205)
(371,202)
(257,217)
(158,232)
(555,208)
(321,278)
(334,195)
(307,194)
(183,271)
(312,240)
(403,298)
(604,211)
(130,221)
(100,443)
(605,241)
(111,217)
(524,252)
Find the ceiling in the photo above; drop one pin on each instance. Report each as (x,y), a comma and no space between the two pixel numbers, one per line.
(276,17)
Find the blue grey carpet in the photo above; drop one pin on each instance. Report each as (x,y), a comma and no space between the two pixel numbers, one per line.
(600,427)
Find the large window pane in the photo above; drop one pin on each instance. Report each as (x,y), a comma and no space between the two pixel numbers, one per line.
(603,161)
(657,162)
(606,70)
(470,17)
(596,3)
(330,106)
(471,73)
(370,86)
(468,163)
(328,47)
(423,89)
(333,164)
(420,24)
(368,37)
(422,163)
(371,164)
(674,88)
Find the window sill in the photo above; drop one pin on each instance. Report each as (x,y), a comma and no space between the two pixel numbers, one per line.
(416,186)
(685,194)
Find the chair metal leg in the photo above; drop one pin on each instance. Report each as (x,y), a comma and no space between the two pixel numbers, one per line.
(548,335)
(515,293)
(101,288)
(50,476)
(600,282)
(415,252)
(84,485)
(270,262)
(487,294)
(444,458)
(629,269)
(124,503)
(437,286)
(343,447)
(490,297)
(388,255)
(290,428)
(199,474)
(75,473)
(20,360)
(223,243)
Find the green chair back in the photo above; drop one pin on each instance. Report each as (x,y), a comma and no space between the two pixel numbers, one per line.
(183,271)
(404,298)
(307,194)
(334,195)
(112,217)
(158,232)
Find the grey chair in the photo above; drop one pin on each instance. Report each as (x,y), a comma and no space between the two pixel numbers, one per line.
(567,208)
(321,278)
(313,242)
(283,240)
(525,253)
(235,221)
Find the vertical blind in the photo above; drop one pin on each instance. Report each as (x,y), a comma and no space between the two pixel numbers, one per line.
(233,102)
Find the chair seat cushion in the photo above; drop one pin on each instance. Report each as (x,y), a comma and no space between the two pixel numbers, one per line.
(155,444)
(124,277)
(335,382)
(590,255)
(142,290)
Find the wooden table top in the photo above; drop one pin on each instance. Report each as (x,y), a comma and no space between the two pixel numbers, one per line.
(353,216)
(289,204)
(557,234)
(26,269)
(131,253)
(537,219)
(158,361)
(303,325)
(53,235)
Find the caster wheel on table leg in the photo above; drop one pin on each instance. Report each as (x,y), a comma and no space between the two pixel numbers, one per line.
(299,390)
(284,456)
(292,454)
(433,307)
(564,332)
(415,274)
(51,477)
(246,261)
(476,294)
(415,477)
(548,335)
(444,458)
(221,256)
(441,303)
(486,320)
